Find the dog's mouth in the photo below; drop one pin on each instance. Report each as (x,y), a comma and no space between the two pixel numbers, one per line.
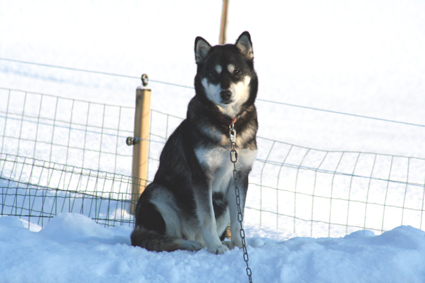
(227,101)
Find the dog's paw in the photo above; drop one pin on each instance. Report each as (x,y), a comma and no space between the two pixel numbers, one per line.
(229,244)
(218,249)
(190,245)
(236,242)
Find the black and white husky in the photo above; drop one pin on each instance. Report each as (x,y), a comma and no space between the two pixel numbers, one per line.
(192,197)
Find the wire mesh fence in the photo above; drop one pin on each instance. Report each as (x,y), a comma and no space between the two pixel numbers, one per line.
(60,155)
(317,193)
(66,131)
(37,190)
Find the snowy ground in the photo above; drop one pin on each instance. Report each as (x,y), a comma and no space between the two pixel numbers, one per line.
(360,57)
(72,248)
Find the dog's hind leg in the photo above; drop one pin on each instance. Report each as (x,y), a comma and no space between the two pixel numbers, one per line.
(151,230)
(153,241)
(189,245)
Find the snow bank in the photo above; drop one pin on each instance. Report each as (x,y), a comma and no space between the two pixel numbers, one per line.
(73,248)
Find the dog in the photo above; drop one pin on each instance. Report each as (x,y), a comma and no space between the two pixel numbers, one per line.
(192,197)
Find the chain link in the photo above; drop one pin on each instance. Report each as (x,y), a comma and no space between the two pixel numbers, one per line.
(234,159)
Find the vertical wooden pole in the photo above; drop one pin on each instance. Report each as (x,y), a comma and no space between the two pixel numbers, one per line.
(142,119)
(222,40)
(223,26)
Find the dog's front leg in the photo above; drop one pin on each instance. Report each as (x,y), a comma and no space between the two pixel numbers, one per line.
(206,216)
(235,226)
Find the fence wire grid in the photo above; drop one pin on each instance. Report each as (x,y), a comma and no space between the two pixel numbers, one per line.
(37,190)
(66,131)
(66,155)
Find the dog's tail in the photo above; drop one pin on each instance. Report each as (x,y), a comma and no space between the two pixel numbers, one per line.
(153,241)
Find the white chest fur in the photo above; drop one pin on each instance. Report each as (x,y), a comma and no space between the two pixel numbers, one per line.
(216,161)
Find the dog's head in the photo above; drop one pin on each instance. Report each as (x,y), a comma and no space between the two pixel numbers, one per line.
(225,75)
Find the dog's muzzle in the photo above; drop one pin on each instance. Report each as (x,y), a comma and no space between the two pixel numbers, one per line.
(225,95)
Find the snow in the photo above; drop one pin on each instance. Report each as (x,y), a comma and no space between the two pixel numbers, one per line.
(73,248)
(360,57)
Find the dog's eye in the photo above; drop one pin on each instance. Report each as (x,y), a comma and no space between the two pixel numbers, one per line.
(236,72)
(214,74)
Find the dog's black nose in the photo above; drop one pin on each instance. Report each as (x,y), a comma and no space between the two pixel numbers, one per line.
(225,94)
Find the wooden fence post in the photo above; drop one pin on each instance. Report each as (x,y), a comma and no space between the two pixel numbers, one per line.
(142,119)
(222,40)
(223,26)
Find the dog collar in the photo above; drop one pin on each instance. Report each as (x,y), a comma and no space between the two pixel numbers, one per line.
(226,120)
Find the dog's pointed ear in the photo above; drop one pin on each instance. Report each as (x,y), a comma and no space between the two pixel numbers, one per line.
(202,47)
(245,45)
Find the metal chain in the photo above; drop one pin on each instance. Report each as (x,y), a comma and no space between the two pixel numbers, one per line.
(234,159)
